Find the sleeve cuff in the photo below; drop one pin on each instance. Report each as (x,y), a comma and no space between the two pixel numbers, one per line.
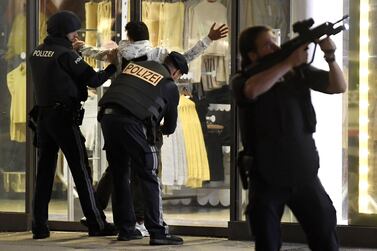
(111,69)
(207,41)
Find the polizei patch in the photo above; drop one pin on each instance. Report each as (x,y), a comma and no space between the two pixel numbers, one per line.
(143,73)
(43,54)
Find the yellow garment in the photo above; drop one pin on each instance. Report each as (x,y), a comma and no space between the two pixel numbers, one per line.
(91,28)
(42,27)
(17,37)
(104,22)
(197,160)
(16,80)
(171,26)
(202,16)
(91,23)
(151,15)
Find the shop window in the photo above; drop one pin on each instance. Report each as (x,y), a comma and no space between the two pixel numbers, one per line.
(12,105)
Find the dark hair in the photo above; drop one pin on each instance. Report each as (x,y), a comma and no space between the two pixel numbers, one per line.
(247,42)
(137,31)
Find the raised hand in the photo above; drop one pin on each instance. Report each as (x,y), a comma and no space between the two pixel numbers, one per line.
(216,34)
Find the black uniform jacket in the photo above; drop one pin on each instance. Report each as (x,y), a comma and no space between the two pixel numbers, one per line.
(61,75)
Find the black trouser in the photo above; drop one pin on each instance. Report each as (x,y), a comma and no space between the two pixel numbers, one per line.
(56,129)
(105,188)
(125,139)
(310,204)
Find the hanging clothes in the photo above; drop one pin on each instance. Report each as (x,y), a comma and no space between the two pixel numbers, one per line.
(17,37)
(273,13)
(203,15)
(196,154)
(184,155)
(16,81)
(173,158)
(171,26)
(89,122)
(151,17)
(91,23)
(165,22)
(104,21)
(91,9)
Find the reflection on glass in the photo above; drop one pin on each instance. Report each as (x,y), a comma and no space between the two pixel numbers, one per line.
(196,158)
(12,105)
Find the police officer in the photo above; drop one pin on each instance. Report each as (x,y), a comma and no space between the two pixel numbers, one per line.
(60,78)
(277,122)
(131,111)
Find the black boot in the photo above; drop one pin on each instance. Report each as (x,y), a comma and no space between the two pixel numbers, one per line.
(134,235)
(40,231)
(165,240)
(109,230)
(41,235)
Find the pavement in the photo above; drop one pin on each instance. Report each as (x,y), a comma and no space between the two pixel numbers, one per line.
(73,241)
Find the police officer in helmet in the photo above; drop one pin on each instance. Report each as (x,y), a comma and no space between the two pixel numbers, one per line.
(131,111)
(60,79)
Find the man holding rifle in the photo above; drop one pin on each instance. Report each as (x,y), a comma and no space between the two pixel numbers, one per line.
(277,120)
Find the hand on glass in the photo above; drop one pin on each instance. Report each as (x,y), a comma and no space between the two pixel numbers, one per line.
(216,34)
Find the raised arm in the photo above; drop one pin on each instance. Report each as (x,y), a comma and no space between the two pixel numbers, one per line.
(337,83)
(265,80)
(202,45)
(91,51)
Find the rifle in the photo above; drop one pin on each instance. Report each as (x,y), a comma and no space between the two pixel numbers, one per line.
(306,35)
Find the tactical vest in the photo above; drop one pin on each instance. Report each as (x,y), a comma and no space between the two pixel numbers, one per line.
(125,62)
(52,84)
(138,89)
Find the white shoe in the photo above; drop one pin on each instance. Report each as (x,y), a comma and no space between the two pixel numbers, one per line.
(142,229)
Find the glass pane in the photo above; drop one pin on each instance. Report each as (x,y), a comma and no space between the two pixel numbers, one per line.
(367,136)
(101,24)
(12,105)
(196,158)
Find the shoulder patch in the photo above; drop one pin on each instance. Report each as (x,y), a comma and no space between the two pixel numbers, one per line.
(78,59)
(143,73)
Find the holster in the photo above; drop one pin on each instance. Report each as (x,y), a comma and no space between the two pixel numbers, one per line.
(152,135)
(32,123)
(78,115)
(244,164)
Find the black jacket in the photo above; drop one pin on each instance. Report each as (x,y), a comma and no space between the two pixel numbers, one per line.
(277,127)
(60,75)
(146,90)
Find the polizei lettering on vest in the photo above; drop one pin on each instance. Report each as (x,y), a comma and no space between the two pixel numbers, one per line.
(43,54)
(143,73)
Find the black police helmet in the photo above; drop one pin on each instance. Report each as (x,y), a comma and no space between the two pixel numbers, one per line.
(62,23)
(179,61)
